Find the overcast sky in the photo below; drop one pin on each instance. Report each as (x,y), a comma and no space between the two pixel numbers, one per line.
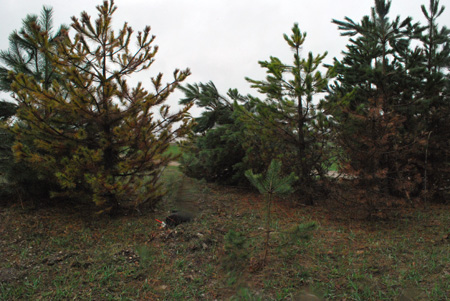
(220,40)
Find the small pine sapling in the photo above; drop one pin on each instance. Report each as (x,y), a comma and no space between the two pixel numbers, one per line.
(270,185)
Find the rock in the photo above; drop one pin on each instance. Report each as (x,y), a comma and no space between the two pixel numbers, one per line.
(177,218)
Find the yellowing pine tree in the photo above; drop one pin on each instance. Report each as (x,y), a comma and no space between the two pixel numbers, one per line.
(99,137)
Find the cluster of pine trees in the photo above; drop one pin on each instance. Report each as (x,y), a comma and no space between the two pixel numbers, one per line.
(78,130)
(384,120)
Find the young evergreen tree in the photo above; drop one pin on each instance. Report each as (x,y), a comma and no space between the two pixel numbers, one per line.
(96,135)
(270,185)
(288,124)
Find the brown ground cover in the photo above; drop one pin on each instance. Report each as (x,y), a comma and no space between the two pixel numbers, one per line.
(69,253)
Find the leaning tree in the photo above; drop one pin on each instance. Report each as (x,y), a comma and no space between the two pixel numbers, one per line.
(214,150)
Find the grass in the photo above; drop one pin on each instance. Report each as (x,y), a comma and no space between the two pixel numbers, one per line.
(174,149)
(67,253)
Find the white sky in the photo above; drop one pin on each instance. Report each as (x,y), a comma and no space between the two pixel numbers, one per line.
(220,40)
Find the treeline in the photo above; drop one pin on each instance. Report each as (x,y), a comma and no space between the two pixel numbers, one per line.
(384,121)
(78,131)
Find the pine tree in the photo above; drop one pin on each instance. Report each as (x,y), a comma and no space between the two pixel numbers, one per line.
(27,47)
(26,54)
(96,135)
(375,103)
(436,102)
(288,124)
(214,151)
(270,185)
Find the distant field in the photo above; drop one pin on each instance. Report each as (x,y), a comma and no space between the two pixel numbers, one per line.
(174,149)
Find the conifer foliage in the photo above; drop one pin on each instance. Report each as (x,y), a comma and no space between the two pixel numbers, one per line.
(436,101)
(270,185)
(26,54)
(97,135)
(388,104)
(375,103)
(214,150)
(27,47)
(287,122)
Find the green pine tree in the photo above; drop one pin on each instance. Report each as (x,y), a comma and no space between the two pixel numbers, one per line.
(27,47)
(270,185)
(436,102)
(214,151)
(375,103)
(287,124)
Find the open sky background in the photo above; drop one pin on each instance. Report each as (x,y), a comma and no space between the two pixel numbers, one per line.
(220,40)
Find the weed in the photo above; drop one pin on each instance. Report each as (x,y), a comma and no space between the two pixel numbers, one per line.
(303,232)
(246,295)
(145,255)
(236,251)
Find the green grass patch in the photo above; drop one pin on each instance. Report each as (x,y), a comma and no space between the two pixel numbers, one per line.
(174,149)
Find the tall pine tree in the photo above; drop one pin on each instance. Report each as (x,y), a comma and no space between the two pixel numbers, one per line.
(375,103)
(436,102)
